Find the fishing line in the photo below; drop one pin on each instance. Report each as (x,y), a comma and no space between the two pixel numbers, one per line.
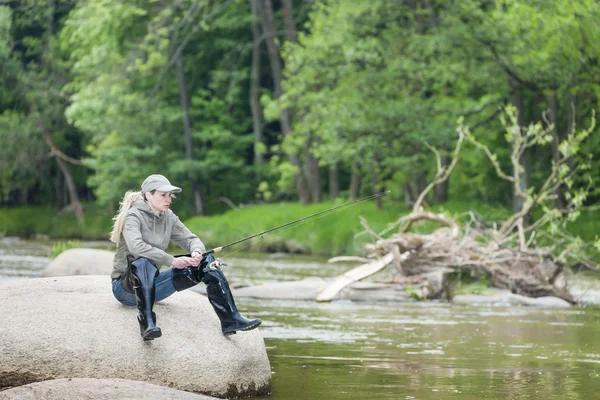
(293,224)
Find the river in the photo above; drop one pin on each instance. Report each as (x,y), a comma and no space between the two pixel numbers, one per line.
(349,350)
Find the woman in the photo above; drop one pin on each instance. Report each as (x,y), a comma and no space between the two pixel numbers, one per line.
(143,229)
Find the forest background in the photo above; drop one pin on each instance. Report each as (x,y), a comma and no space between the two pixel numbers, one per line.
(281,108)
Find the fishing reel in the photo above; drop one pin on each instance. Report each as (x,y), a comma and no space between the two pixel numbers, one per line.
(214,265)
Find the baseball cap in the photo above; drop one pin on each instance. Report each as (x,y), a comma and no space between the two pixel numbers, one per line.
(160,183)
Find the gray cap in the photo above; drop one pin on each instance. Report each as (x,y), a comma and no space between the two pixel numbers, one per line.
(160,183)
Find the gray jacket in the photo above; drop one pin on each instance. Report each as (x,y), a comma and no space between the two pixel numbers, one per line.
(146,234)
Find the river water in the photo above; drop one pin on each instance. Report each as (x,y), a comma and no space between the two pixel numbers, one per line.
(349,350)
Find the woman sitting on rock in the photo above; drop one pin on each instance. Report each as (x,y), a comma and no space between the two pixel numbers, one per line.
(143,229)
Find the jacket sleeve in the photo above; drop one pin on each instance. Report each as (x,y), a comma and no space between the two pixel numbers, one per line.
(132,233)
(181,235)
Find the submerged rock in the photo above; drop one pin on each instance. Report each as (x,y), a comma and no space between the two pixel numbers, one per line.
(72,327)
(307,289)
(504,298)
(80,262)
(97,389)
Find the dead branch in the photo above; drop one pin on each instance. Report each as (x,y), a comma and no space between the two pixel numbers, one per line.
(228,202)
(356,274)
(442,173)
(348,258)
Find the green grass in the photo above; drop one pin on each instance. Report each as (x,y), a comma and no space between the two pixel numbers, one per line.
(331,234)
(59,247)
(31,222)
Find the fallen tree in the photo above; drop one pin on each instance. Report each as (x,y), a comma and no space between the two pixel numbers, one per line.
(506,253)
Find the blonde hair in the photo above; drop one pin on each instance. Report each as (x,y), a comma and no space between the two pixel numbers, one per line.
(129,198)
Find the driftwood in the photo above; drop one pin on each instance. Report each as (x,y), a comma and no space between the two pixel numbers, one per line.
(415,257)
(356,274)
(502,253)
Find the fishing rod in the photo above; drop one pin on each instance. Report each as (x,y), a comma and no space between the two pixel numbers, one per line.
(351,203)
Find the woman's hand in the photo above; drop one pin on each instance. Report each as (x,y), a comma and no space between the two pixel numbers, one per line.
(197,256)
(184,262)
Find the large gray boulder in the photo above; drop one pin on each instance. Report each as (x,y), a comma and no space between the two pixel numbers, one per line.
(80,262)
(72,327)
(97,389)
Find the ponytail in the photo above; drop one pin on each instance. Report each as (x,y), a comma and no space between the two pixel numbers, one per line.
(129,198)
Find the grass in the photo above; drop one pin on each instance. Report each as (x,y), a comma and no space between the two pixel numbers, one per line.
(33,222)
(336,233)
(59,247)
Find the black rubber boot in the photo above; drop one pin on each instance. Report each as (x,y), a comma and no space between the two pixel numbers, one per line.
(143,274)
(221,299)
(185,278)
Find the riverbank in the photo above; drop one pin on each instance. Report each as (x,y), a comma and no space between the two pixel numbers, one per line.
(328,235)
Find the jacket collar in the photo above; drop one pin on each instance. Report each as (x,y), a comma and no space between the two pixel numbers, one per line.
(145,207)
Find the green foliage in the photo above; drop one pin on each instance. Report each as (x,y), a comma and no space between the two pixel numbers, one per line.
(413,293)
(462,282)
(368,84)
(59,247)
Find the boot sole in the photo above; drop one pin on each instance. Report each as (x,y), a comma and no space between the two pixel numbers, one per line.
(153,334)
(249,328)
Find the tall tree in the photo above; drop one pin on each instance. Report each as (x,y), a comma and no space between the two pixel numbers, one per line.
(268,24)
(187,129)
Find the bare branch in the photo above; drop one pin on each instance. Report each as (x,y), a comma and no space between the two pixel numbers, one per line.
(228,202)
(522,244)
(348,258)
(491,157)
(368,229)
(442,173)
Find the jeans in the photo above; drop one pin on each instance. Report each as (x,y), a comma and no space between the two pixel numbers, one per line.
(163,284)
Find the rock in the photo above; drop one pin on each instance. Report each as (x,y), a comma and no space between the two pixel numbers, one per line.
(9,240)
(80,262)
(586,296)
(480,300)
(97,389)
(72,327)
(305,289)
(388,293)
(308,288)
(438,284)
(504,298)
(544,301)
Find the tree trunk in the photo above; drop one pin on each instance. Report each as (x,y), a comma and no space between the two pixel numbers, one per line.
(517,100)
(334,181)
(571,127)
(288,18)
(355,181)
(23,196)
(257,120)
(375,183)
(64,169)
(315,178)
(408,196)
(187,129)
(276,72)
(313,171)
(415,187)
(552,119)
(77,208)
